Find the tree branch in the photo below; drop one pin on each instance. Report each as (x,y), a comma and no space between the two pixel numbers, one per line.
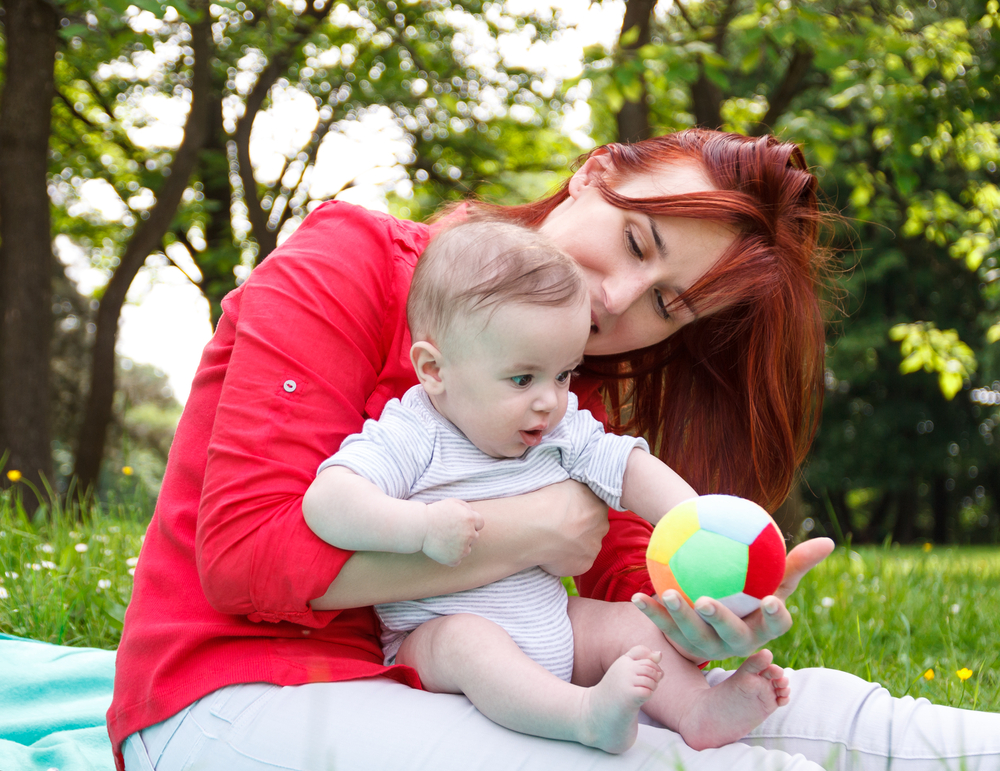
(73,111)
(684,14)
(792,84)
(147,237)
(266,238)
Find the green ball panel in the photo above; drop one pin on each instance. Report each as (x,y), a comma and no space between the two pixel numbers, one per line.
(710,565)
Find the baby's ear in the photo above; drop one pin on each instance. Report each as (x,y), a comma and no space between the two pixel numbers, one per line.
(426,360)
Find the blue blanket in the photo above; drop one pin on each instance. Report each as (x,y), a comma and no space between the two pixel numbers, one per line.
(53,700)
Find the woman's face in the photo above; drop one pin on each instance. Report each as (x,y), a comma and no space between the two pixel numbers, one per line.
(635,264)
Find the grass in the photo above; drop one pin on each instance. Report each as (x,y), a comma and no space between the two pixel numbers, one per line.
(66,574)
(890,615)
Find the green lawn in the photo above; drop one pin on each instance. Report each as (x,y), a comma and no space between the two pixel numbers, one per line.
(888,615)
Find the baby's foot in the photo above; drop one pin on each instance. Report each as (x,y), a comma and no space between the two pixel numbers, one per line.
(611,708)
(727,712)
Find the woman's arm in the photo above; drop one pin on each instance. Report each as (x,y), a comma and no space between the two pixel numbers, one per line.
(559,527)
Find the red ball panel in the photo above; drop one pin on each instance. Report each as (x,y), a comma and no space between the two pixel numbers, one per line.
(767,563)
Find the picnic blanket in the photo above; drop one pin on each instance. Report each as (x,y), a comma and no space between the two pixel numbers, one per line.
(53,700)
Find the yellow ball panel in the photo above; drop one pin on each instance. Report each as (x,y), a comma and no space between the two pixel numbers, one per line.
(679,524)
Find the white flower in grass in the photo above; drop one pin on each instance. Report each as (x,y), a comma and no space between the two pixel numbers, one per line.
(131,571)
(81,547)
(827,602)
(104,584)
(35,566)
(955,608)
(108,553)
(46,547)
(3,593)
(48,565)
(132,561)
(12,574)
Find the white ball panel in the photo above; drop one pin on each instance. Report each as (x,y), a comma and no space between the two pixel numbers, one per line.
(733,517)
(741,604)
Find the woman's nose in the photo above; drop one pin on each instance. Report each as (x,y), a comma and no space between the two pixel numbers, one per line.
(619,293)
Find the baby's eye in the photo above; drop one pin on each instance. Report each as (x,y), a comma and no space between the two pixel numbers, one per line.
(563,377)
(522,381)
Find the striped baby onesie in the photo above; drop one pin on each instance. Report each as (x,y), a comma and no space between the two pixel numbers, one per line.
(413,452)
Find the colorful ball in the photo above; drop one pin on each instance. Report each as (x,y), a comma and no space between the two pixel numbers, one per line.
(717,546)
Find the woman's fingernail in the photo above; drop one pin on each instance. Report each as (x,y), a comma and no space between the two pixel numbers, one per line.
(672,601)
(771,606)
(707,610)
(638,602)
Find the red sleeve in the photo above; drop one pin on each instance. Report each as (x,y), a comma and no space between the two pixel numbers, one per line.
(313,327)
(620,569)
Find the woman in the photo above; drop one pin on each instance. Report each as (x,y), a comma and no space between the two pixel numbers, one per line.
(249,643)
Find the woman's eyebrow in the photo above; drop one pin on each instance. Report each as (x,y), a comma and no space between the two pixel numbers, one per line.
(657,239)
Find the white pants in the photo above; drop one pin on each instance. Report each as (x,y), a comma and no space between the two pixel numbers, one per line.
(835,722)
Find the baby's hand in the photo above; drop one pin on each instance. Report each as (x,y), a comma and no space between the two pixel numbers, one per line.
(452,527)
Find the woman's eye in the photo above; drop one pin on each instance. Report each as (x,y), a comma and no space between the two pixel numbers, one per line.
(661,305)
(632,244)
(521,380)
(563,377)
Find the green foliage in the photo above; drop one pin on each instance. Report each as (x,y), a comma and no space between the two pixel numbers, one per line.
(896,105)
(934,350)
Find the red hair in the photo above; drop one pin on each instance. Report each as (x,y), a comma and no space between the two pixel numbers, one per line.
(732,400)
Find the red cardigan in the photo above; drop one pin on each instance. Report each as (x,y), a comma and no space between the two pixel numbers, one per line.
(309,347)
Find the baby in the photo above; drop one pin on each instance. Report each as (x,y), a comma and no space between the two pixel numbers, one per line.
(500,319)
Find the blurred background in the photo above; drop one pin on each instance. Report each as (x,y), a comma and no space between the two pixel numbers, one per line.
(152,153)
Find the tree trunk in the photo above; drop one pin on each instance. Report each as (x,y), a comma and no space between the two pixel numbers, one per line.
(940,500)
(221,255)
(148,236)
(26,238)
(706,102)
(904,529)
(633,117)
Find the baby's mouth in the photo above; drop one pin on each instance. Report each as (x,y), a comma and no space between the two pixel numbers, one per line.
(533,437)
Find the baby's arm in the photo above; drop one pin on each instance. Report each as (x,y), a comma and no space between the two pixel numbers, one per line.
(650,487)
(349,512)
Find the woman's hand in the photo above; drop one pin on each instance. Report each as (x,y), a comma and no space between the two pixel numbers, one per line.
(570,538)
(715,632)
(559,527)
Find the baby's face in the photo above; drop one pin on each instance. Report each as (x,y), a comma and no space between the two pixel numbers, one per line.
(506,387)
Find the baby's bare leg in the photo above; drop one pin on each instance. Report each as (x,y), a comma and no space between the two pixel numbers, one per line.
(705,717)
(471,655)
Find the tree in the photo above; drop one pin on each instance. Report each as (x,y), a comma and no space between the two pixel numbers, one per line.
(30,30)
(206,197)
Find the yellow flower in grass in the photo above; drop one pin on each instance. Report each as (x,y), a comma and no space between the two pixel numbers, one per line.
(964,674)
(928,546)
(14,475)
(929,675)
(127,470)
